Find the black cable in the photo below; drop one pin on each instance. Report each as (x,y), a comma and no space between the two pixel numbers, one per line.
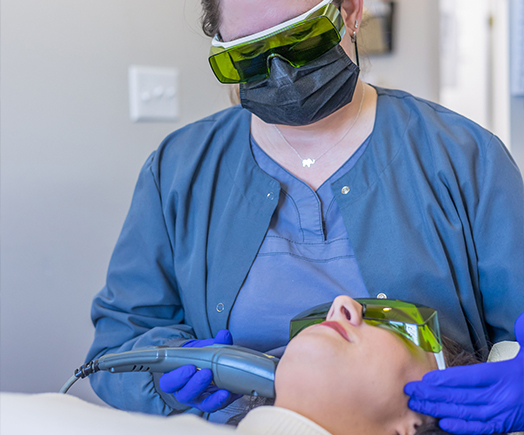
(356,49)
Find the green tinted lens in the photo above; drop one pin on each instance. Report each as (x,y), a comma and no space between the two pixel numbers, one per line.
(307,318)
(310,42)
(401,311)
(415,322)
(298,44)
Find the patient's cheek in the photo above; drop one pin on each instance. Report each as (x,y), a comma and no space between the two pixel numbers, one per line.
(309,367)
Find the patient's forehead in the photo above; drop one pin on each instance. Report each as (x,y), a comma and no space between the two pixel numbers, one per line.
(241,18)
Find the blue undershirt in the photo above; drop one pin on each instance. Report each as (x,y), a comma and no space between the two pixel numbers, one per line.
(305,259)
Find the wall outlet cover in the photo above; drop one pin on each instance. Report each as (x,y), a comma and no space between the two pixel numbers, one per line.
(153,94)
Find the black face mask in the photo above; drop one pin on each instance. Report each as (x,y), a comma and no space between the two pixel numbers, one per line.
(302,96)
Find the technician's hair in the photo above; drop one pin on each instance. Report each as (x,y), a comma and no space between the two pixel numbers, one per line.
(211,16)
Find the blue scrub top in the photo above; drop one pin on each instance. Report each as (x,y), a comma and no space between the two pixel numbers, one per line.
(434,209)
(305,259)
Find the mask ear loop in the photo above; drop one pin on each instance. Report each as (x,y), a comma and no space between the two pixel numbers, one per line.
(354,41)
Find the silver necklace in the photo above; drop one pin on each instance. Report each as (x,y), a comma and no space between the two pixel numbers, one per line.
(309,161)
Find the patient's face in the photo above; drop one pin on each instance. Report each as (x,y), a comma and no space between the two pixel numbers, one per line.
(349,376)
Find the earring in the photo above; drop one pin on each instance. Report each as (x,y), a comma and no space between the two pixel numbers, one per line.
(354,36)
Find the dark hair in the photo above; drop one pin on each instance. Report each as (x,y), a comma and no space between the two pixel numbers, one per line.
(431,429)
(253,402)
(211,16)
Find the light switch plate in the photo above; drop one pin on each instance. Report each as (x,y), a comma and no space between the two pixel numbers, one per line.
(153,94)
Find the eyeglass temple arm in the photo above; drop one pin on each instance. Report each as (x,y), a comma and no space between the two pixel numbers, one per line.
(441,362)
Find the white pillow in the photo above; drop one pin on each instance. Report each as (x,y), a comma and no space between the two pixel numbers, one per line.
(61,414)
(504,350)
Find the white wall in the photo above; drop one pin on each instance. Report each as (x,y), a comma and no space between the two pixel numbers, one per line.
(500,107)
(414,64)
(69,160)
(517,113)
(475,62)
(517,130)
(466,58)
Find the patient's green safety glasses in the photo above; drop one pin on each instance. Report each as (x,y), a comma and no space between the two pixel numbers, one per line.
(417,323)
(298,41)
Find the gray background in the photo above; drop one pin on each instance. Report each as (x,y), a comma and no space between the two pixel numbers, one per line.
(70,155)
(517,127)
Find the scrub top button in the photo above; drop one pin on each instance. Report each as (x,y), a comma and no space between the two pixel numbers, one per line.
(382,296)
(271,196)
(345,190)
(220,307)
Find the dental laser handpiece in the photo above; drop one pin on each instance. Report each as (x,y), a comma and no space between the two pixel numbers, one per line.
(236,369)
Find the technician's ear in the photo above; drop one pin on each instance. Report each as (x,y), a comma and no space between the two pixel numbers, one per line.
(352,13)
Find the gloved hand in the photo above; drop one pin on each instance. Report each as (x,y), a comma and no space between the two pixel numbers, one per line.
(223,337)
(479,399)
(194,387)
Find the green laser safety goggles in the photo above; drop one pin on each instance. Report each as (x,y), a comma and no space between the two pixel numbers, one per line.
(298,41)
(414,322)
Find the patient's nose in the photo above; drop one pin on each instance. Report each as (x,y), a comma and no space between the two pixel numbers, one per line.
(345,309)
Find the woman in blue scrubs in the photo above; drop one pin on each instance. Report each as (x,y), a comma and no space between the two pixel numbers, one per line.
(317,185)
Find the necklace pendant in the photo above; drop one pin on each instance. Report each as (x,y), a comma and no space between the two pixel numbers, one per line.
(308,162)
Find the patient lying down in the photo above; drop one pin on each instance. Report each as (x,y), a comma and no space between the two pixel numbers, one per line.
(348,376)
(344,377)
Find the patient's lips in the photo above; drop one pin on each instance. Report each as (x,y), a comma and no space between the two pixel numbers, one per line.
(337,327)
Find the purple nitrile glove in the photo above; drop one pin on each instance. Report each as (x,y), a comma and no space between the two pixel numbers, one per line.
(194,387)
(479,399)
